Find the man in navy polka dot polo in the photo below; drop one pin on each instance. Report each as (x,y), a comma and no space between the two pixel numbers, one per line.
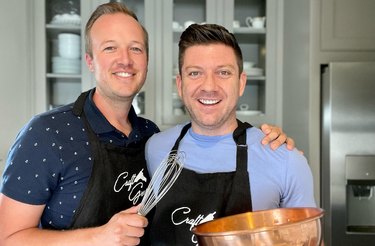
(76,174)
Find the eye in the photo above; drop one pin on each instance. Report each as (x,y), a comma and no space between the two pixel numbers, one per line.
(194,74)
(225,73)
(136,49)
(109,49)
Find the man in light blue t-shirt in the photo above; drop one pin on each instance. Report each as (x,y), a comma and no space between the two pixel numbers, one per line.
(226,168)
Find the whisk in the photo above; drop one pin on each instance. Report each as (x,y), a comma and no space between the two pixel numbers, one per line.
(162,180)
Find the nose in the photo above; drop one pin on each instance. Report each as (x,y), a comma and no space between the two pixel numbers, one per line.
(209,82)
(124,58)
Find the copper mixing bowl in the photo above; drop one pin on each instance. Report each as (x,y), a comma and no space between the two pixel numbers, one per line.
(281,226)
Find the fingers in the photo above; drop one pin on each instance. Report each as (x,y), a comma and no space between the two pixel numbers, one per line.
(124,228)
(290,143)
(132,210)
(266,129)
(274,135)
(133,219)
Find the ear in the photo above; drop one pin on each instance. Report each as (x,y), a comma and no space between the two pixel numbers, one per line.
(89,62)
(243,80)
(179,85)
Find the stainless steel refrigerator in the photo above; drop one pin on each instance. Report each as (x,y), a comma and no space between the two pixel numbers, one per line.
(348,153)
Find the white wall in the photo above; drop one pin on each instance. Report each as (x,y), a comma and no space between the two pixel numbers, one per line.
(15,71)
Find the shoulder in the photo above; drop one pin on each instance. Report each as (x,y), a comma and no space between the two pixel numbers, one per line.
(49,121)
(163,140)
(281,156)
(54,116)
(167,134)
(147,126)
(47,127)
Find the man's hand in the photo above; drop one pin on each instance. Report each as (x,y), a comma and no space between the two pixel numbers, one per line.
(276,137)
(124,228)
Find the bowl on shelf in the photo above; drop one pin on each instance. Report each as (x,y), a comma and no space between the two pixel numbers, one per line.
(66,65)
(69,45)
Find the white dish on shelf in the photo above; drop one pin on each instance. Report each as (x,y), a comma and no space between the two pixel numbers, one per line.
(69,45)
(65,71)
(249,112)
(66,65)
(66,19)
(254,71)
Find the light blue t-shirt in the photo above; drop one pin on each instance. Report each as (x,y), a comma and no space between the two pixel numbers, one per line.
(278,178)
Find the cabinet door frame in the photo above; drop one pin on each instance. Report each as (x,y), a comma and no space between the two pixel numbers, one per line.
(333,25)
(40,56)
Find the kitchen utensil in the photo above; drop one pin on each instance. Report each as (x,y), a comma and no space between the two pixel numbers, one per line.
(282,226)
(162,180)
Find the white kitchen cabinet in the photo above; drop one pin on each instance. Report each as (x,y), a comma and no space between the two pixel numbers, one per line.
(158,99)
(55,85)
(54,88)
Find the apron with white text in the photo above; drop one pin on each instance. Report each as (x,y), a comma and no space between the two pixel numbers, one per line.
(118,178)
(196,198)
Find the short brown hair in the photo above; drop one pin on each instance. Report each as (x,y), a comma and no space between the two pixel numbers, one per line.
(109,8)
(204,34)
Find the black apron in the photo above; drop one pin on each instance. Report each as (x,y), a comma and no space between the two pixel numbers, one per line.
(118,178)
(196,198)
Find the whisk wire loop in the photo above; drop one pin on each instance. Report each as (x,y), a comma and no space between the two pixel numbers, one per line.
(162,180)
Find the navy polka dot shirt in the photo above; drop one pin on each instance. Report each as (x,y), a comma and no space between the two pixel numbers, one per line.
(51,160)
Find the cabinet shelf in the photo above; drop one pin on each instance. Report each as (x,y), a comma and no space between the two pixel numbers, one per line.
(249,112)
(63,27)
(249,30)
(55,29)
(263,78)
(237,30)
(63,75)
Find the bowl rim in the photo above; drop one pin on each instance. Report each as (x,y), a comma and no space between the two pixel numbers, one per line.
(319,214)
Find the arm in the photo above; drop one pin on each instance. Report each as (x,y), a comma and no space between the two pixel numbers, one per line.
(299,183)
(19,226)
(276,137)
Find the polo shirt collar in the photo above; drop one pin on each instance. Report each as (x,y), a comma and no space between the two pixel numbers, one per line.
(97,120)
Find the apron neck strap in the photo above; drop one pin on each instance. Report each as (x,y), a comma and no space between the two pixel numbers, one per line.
(182,134)
(79,103)
(239,136)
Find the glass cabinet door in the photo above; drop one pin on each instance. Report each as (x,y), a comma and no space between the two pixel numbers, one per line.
(181,14)
(63,52)
(249,20)
(137,6)
(254,25)
(249,27)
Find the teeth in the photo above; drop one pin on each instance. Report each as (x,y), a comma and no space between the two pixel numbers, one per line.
(208,101)
(123,74)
